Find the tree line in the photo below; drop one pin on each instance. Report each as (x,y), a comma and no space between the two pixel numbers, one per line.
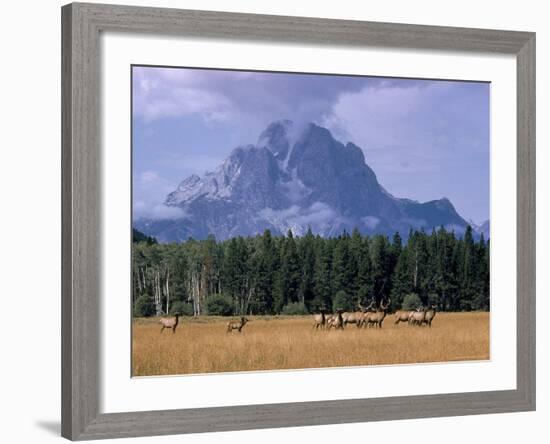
(266,274)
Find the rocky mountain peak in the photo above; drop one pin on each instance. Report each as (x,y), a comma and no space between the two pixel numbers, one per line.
(276,138)
(294,178)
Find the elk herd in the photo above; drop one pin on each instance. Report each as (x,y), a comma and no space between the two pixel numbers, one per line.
(370,316)
(373,316)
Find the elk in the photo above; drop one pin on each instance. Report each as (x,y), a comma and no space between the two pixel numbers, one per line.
(402,315)
(430,315)
(170,323)
(356,317)
(236,325)
(417,317)
(353,317)
(376,318)
(319,320)
(337,321)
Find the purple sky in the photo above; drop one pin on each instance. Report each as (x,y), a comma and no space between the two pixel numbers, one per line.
(424,139)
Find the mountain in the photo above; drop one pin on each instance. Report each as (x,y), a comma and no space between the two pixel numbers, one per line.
(294,179)
(484,228)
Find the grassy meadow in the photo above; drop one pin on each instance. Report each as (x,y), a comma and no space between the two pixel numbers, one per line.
(201,345)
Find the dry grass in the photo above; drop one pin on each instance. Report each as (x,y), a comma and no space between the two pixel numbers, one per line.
(269,343)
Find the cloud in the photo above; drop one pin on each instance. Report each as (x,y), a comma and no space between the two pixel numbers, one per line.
(149,177)
(234,96)
(318,215)
(186,163)
(150,190)
(156,99)
(422,138)
(157,212)
(370,221)
(385,116)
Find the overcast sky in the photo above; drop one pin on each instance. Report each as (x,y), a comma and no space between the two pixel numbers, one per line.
(424,139)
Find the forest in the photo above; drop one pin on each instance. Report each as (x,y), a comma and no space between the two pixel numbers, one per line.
(271,275)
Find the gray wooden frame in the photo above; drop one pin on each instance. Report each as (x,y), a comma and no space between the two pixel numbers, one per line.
(81,167)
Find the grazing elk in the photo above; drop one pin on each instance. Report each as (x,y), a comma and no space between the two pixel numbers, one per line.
(430,315)
(236,325)
(376,318)
(319,320)
(170,323)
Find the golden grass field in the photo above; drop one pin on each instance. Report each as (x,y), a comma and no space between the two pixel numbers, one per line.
(201,345)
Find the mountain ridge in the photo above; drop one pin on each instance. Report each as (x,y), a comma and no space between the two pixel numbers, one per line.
(298,179)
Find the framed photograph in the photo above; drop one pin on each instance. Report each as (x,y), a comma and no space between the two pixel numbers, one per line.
(278,221)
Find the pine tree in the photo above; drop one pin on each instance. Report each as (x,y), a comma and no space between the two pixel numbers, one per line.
(418,260)
(395,250)
(469,271)
(322,287)
(307,259)
(288,279)
(354,263)
(380,267)
(266,271)
(402,281)
(342,274)
(481,283)
(364,281)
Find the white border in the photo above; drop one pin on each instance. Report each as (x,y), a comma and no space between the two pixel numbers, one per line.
(121,393)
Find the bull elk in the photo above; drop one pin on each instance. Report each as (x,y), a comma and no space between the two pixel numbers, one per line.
(356,317)
(236,325)
(170,323)
(376,318)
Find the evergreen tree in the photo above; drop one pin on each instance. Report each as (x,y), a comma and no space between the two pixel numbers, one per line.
(288,280)
(364,280)
(322,287)
(354,264)
(266,271)
(468,271)
(481,284)
(342,274)
(402,281)
(307,260)
(418,264)
(380,257)
(236,277)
